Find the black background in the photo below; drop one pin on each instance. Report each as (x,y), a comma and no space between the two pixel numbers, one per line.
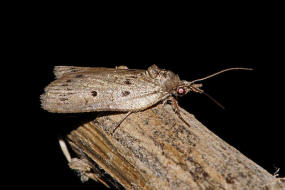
(191,45)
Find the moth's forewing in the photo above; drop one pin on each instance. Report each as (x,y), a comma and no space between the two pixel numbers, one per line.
(100,89)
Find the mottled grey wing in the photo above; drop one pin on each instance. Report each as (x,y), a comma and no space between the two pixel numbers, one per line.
(101,89)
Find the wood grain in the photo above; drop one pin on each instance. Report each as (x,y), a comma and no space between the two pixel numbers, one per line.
(154,150)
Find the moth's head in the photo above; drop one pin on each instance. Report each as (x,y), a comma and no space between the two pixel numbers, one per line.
(185,87)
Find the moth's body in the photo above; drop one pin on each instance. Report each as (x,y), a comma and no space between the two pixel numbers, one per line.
(85,89)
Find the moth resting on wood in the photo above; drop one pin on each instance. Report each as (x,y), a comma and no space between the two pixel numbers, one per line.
(87,89)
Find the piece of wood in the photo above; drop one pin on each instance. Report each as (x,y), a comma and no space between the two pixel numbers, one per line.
(155,150)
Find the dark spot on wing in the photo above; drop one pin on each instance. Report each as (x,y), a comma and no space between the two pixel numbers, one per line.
(127,82)
(94,93)
(68,80)
(125,93)
(63,99)
(79,76)
(64,85)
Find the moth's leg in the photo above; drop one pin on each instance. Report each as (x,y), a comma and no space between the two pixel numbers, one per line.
(82,166)
(177,110)
(121,67)
(119,123)
(166,100)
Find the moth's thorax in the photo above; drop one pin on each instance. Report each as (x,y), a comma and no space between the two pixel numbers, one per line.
(167,80)
(171,82)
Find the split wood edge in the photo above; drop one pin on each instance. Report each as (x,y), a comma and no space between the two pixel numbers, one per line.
(155,150)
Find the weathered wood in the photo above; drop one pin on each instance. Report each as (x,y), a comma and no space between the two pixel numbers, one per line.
(154,150)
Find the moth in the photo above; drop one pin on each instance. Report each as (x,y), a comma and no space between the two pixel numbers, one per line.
(90,89)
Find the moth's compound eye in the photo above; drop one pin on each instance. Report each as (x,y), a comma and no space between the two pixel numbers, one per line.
(180,91)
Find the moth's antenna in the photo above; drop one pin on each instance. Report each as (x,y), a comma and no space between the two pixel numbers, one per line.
(214,100)
(222,71)
(210,97)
